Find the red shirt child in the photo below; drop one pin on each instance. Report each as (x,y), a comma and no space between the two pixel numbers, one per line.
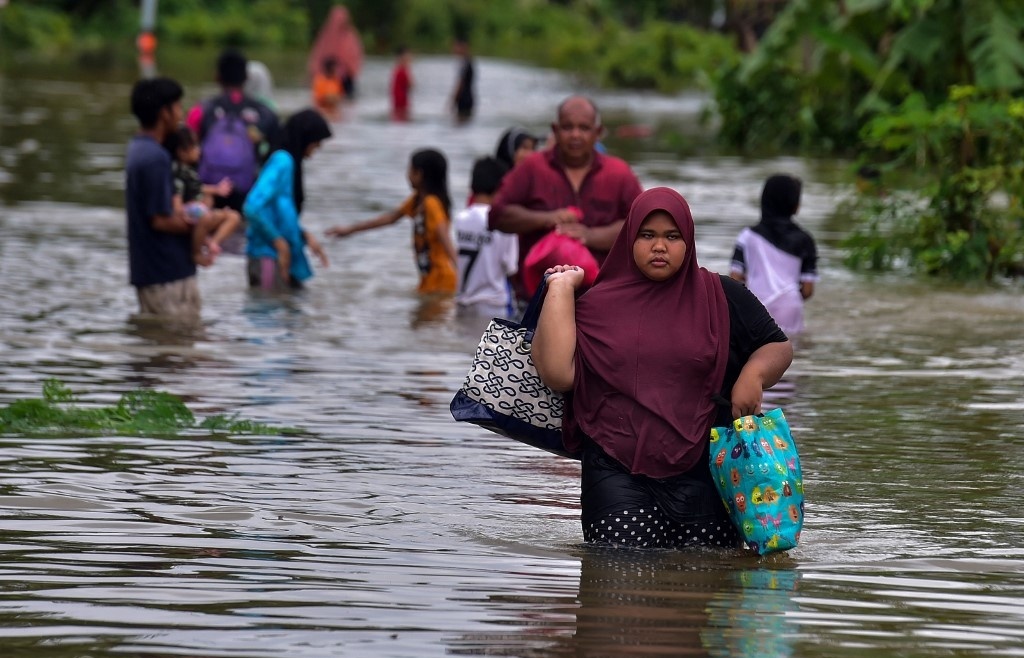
(401,83)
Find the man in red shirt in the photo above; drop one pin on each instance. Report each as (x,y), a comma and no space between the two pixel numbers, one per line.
(571,188)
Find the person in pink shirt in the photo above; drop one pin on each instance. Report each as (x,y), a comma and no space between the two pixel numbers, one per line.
(571,188)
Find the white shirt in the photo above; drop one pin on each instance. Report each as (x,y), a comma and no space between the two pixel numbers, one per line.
(486,259)
(774,277)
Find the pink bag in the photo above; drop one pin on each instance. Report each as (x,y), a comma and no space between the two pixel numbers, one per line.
(557,249)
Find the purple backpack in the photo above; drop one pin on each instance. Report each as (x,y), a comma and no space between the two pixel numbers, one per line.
(228,151)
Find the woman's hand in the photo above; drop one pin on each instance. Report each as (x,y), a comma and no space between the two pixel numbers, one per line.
(284,258)
(746,396)
(571,275)
(763,370)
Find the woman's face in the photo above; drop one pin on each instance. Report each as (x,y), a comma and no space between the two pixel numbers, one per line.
(311,149)
(659,248)
(524,151)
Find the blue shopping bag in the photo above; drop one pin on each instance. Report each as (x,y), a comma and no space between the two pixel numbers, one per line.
(756,469)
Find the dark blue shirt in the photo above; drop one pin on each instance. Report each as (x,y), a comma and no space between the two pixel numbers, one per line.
(153,256)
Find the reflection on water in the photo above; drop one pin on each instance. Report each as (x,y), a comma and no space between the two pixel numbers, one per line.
(389,530)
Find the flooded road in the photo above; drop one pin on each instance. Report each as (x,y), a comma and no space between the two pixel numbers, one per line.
(385,529)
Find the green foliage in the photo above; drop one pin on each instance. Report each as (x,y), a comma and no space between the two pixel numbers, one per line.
(264,23)
(26,27)
(665,57)
(972,144)
(141,412)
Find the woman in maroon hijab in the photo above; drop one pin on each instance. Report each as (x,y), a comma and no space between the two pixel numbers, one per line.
(654,355)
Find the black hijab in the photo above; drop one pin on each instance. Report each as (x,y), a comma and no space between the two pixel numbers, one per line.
(302,129)
(780,200)
(509,143)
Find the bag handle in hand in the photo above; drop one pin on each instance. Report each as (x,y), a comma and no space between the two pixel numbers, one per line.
(532,313)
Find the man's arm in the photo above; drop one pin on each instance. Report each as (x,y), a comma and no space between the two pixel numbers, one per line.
(174,223)
(598,238)
(514,218)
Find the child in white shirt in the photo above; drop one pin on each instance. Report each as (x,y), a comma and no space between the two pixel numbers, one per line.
(486,258)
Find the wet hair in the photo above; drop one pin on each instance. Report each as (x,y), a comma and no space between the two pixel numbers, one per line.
(181,138)
(487,175)
(231,68)
(401,50)
(152,95)
(434,168)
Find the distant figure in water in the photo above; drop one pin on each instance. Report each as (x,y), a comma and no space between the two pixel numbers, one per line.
(463,96)
(338,38)
(327,89)
(401,85)
(776,258)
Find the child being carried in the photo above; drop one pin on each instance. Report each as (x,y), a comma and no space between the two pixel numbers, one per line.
(194,200)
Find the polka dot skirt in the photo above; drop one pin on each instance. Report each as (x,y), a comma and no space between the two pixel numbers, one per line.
(650,528)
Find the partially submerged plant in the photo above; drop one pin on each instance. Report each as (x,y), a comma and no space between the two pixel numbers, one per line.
(140,412)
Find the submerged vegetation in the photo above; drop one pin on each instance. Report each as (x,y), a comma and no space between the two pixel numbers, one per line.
(139,413)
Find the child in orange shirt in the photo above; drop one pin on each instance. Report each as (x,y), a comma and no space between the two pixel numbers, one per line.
(327,89)
(430,209)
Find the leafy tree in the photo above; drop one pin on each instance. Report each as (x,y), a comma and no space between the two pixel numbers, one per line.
(927,84)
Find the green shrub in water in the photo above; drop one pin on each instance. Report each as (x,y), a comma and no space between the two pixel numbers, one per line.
(140,412)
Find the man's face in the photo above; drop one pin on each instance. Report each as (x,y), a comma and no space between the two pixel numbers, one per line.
(172,115)
(576,132)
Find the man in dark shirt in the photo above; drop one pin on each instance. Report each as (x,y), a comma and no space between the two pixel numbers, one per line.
(159,240)
(463,98)
(570,188)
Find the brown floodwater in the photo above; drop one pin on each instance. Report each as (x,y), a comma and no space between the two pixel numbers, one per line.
(385,529)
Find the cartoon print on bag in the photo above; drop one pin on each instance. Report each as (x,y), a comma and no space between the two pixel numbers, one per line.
(741,503)
(735,476)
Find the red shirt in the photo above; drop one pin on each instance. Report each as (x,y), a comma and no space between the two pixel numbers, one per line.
(540,183)
(400,83)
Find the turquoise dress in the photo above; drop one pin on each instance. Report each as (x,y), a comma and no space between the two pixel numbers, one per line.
(271,213)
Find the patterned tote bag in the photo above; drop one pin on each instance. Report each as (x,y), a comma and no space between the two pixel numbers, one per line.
(756,469)
(503,392)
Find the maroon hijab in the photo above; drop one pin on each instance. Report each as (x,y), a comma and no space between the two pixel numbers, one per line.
(650,355)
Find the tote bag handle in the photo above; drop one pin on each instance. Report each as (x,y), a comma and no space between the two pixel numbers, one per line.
(532,313)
